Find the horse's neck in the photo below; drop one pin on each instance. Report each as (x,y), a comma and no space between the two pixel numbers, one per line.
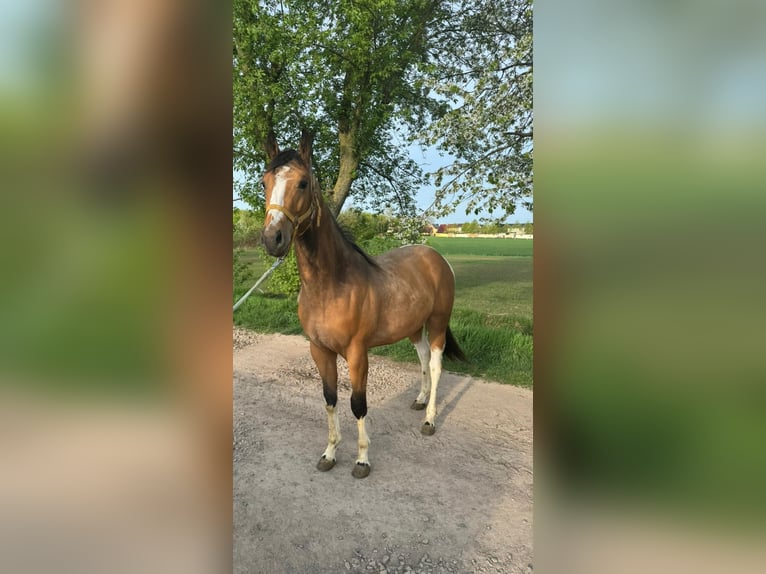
(317,264)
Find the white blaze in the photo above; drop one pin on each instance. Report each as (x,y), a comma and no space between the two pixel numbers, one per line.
(278,193)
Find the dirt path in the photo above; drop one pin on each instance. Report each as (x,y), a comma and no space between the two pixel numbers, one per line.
(458,501)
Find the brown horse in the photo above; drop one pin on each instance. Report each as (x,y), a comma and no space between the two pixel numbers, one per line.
(350,301)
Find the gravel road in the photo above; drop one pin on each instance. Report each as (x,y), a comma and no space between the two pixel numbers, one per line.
(458,501)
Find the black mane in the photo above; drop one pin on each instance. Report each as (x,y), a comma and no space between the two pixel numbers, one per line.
(309,240)
(349,239)
(283,158)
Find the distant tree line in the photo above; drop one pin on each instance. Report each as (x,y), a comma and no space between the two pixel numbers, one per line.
(491,228)
(368,229)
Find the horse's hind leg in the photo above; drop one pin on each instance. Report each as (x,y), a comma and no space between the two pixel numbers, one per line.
(327,364)
(357,367)
(437,340)
(423,349)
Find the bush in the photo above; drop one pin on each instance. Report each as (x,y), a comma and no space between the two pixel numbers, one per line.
(378,245)
(285,278)
(363,226)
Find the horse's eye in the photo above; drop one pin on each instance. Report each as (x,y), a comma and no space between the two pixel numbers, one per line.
(303,184)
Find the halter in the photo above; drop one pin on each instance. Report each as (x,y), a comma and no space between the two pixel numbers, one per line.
(296,220)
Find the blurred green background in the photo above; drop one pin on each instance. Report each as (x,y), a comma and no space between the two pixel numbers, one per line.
(650,270)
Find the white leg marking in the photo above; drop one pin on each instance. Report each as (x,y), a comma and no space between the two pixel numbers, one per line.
(424,354)
(364,442)
(436,372)
(333,439)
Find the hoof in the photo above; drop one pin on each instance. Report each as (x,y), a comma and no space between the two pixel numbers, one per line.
(416,406)
(427,429)
(361,470)
(325,464)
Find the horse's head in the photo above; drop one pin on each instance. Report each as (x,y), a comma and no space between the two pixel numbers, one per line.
(291,196)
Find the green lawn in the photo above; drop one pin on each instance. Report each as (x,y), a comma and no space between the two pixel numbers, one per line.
(496,286)
(492,276)
(492,317)
(481,246)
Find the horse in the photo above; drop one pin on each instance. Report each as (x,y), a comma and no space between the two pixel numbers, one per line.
(350,301)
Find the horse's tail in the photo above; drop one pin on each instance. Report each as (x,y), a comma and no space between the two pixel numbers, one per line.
(452,350)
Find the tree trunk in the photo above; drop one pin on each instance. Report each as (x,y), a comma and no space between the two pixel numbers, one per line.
(349,162)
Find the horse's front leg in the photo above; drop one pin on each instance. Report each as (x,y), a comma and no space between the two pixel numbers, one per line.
(357,367)
(327,364)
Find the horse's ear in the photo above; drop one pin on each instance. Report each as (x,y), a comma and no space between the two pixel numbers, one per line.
(272,149)
(304,149)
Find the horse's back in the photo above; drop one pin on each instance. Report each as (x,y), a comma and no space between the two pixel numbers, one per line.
(420,257)
(418,268)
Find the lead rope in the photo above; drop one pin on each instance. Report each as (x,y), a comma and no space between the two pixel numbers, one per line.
(280,260)
(269,271)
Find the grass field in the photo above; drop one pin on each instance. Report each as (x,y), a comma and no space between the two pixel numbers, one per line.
(491,246)
(492,317)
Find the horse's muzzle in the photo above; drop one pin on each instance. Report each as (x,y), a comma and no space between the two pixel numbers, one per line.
(276,240)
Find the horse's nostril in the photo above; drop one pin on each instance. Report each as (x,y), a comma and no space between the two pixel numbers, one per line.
(278,237)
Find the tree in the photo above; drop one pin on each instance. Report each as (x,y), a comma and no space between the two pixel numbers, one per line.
(492,228)
(369,77)
(348,71)
(471,227)
(363,226)
(486,75)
